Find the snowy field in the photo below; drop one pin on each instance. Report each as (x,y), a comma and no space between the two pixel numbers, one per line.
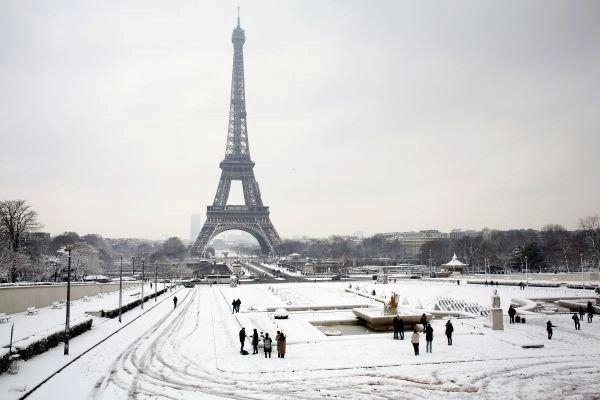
(192,352)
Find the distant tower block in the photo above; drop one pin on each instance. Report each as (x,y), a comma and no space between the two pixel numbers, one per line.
(253,217)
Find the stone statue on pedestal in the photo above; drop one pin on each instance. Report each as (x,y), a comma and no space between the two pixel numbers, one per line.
(496,313)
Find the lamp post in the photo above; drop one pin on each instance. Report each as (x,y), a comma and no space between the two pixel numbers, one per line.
(132,266)
(142,283)
(67,326)
(526,273)
(485,268)
(120,287)
(581,261)
(155,282)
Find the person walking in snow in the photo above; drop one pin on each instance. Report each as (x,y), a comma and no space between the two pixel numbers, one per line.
(233,305)
(576,320)
(590,311)
(281,345)
(428,338)
(242,339)
(255,342)
(581,312)
(511,314)
(268,342)
(175,302)
(449,330)
(549,327)
(238,303)
(423,321)
(414,339)
(401,328)
(396,323)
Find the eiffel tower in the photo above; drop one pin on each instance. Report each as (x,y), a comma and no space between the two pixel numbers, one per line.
(253,217)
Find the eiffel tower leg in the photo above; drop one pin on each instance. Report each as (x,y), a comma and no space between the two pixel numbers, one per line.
(205,235)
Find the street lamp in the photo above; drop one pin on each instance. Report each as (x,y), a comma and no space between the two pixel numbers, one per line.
(133,266)
(155,282)
(68,248)
(526,273)
(581,260)
(120,288)
(142,283)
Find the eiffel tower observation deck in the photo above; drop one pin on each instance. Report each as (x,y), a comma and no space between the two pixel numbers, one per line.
(253,216)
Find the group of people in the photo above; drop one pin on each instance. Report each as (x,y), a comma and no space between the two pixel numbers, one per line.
(581,311)
(255,339)
(491,283)
(236,306)
(427,329)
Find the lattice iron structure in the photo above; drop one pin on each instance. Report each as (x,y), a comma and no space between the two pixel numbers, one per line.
(253,217)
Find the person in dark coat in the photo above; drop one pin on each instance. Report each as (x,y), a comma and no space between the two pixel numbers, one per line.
(581,312)
(576,320)
(549,327)
(281,345)
(255,342)
(511,314)
(174,301)
(423,321)
(268,343)
(449,330)
(396,323)
(242,338)
(428,338)
(233,304)
(238,303)
(590,311)
(401,328)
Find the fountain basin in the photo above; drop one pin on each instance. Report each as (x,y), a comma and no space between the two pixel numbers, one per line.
(376,320)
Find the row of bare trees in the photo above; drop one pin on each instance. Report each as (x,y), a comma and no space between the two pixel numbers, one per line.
(27,255)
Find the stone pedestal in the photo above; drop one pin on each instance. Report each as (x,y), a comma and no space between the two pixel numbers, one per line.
(496,319)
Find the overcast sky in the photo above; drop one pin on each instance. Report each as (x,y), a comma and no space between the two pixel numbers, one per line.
(362,116)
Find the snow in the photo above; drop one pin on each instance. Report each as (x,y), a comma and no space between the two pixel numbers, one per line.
(49,318)
(192,351)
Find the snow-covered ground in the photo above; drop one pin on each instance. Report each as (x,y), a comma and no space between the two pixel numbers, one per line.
(193,351)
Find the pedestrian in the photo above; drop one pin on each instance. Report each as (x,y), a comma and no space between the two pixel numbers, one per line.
(238,304)
(423,321)
(576,320)
(401,328)
(496,283)
(396,324)
(486,283)
(281,345)
(175,302)
(414,339)
(242,339)
(428,338)
(511,314)
(581,312)
(150,285)
(255,342)
(277,342)
(449,330)
(233,305)
(549,327)
(267,342)
(590,311)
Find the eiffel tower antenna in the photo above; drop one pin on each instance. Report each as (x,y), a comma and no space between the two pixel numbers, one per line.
(238,16)
(253,216)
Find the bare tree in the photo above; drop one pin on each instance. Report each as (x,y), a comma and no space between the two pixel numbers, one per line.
(17,219)
(591,227)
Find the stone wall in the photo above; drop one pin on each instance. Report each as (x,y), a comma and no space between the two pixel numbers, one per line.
(18,298)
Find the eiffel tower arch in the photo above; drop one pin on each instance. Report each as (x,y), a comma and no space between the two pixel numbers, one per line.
(253,216)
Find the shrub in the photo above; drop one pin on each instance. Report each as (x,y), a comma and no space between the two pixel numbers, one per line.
(126,307)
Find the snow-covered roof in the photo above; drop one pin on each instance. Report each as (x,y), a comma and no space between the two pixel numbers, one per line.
(455,262)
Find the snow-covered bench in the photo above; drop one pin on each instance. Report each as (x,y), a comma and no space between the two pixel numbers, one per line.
(32,310)
(3,318)
(85,298)
(56,304)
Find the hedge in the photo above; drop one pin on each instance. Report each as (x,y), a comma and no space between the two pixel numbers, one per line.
(115,312)
(31,347)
